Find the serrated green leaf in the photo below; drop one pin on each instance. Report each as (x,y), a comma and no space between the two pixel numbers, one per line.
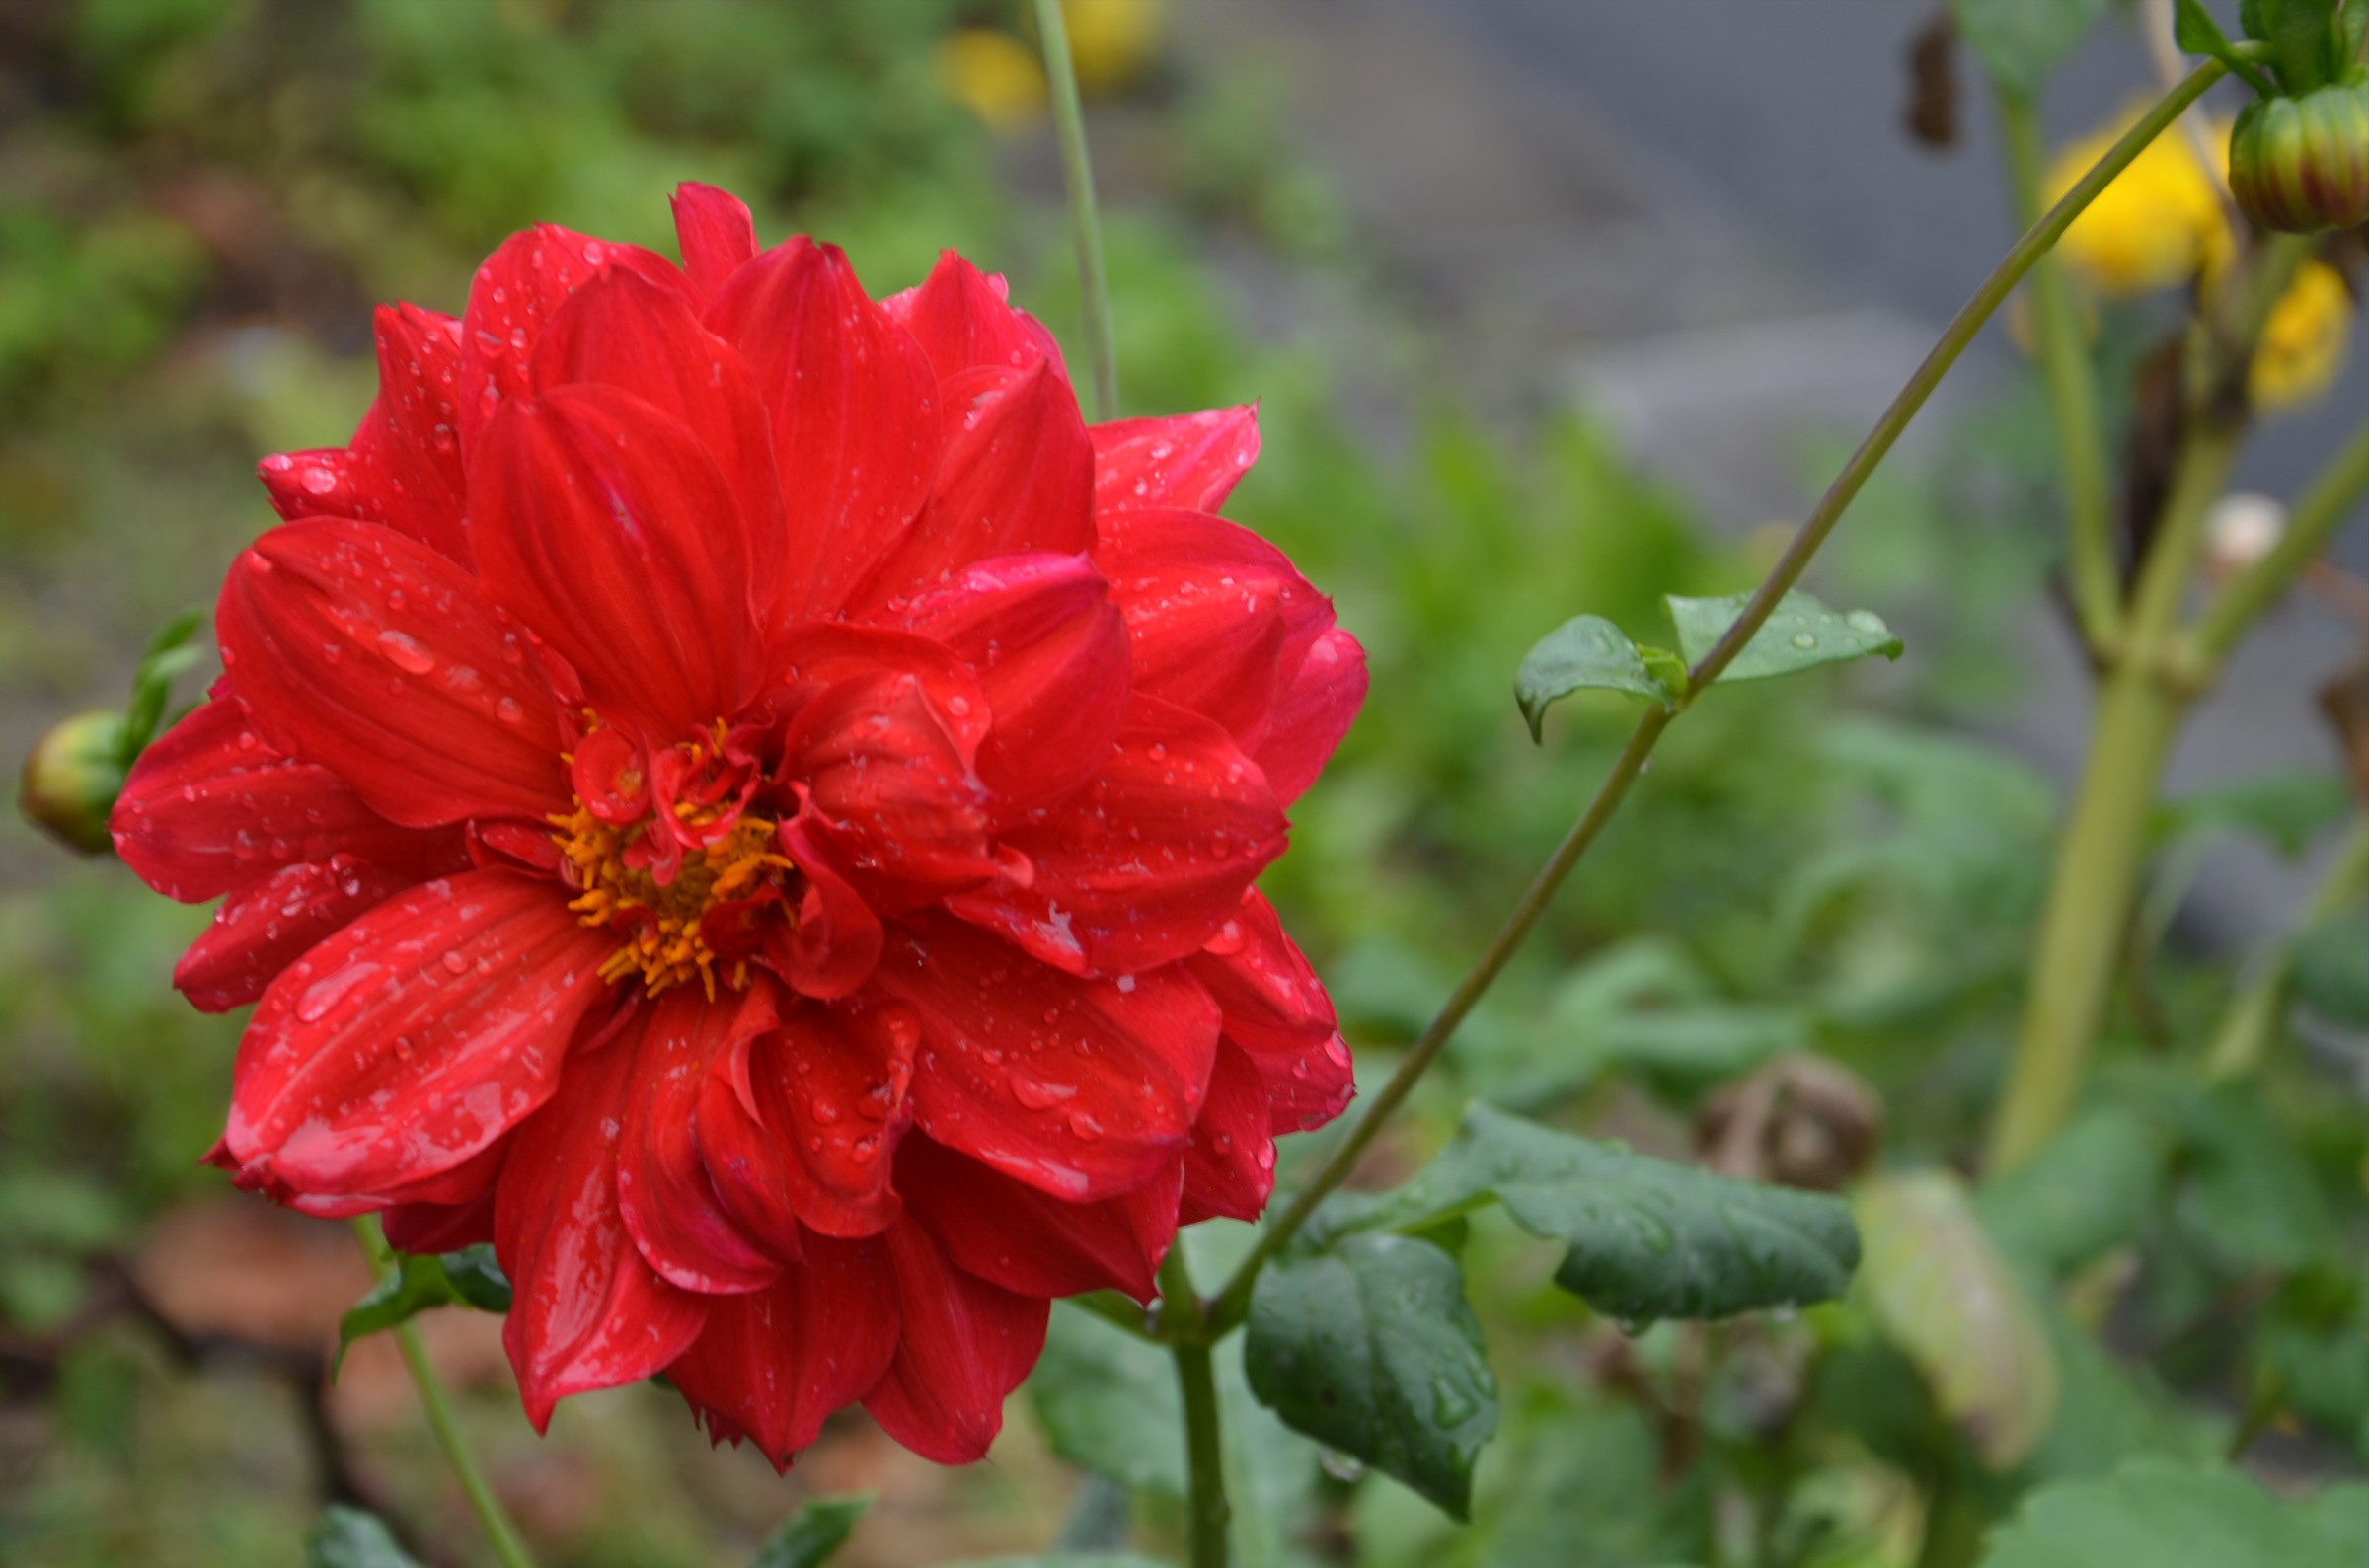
(1585,652)
(2087,1191)
(1801,634)
(2019,42)
(2166,1515)
(419,1281)
(1648,1240)
(349,1537)
(2331,970)
(1951,1300)
(809,1537)
(1369,1348)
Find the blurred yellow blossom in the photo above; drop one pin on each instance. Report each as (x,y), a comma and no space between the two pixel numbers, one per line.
(2161,222)
(994,75)
(2303,342)
(1111,41)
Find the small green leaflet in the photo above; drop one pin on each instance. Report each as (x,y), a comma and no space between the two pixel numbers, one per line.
(347,1537)
(1589,652)
(2019,42)
(1369,1348)
(811,1534)
(1648,1240)
(2331,970)
(419,1281)
(1801,634)
(167,655)
(2196,32)
(2167,1515)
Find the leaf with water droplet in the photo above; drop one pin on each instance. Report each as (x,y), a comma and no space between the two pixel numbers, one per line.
(1370,1348)
(1801,634)
(1585,652)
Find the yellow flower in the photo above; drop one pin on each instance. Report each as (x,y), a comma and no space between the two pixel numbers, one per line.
(2303,342)
(994,75)
(2161,222)
(1111,40)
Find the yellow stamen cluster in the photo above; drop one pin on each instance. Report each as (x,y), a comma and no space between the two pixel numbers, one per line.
(660,923)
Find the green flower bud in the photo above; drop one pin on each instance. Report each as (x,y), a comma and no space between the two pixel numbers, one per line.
(72,778)
(2300,165)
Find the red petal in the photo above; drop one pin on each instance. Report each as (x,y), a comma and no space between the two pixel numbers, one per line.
(714,233)
(894,796)
(1276,1012)
(625,331)
(962,321)
(805,1121)
(409,1043)
(1082,1088)
(440,1227)
(368,653)
(586,1312)
(1145,864)
(1216,615)
(855,414)
(210,808)
(1187,460)
(966,1345)
(1050,650)
(606,527)
(318,481)
(268,925)
(773,1365)
(1317,706)
(519,288)
(1012,1236)
(1230,1168)
(663,1192)
(834,944)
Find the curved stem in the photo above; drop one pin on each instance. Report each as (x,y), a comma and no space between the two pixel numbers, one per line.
(2072,395)
(1069,122)
(1233,1302)
(2323,510)
(492,1517)
(2251,1023)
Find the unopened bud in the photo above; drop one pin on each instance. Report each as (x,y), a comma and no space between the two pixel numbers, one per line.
(2300,165)
(2239,530)
(72,777)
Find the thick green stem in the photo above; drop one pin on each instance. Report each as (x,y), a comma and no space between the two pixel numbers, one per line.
(1069,122)
(2251,1023)
(1208,1517)
(2324,508)
(442,1424)
(2072,395)
(1233,1302)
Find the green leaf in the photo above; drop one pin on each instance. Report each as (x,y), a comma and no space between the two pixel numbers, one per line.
(167,655)
(1585,652)
(2196,32)
(2331,970)
(2019,42)
(2087,1192)
(1648,1240)
(2302,34)
(1801,634)
(419,1281)
(347,1537)
(2287,811)
(1370,1348)
(2164,1514)
(1951,1300)
(811,1534)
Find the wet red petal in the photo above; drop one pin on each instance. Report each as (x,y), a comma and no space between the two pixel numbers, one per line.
(269,924)
(587,1310)
(1081,1088)
(1145,864)
(772,1365)
(1050,651)
(440,1227)
(367,653)
(663,1192)
(962,321)
(834,943)
(1013,1235)
(1187,460)
(1318,703)
(1276,1012)
(966,1345)
(606,527)
(415,1038)
(853,408)
(894,798)
(714,233)
(1230,1168)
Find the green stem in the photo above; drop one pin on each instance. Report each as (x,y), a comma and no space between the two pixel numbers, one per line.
(2072,395)
(1233,1302)
(1955,1526)
(2323,510)
(492,1517)
(2251,1023)
(2104,848)
(1183,1323)
(1069,122)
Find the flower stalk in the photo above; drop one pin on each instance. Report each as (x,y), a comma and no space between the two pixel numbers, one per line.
(1077,169)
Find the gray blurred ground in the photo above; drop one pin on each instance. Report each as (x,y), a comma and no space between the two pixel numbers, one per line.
(1700,219)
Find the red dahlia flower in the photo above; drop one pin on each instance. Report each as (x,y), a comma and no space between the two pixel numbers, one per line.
(731,791)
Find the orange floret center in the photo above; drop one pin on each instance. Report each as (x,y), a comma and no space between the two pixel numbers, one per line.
(661,922)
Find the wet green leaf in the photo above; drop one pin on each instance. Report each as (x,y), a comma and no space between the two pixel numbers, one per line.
(1801,634)
(811,1534)
(2166,1515)
(1585,652)
(1369,1348)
